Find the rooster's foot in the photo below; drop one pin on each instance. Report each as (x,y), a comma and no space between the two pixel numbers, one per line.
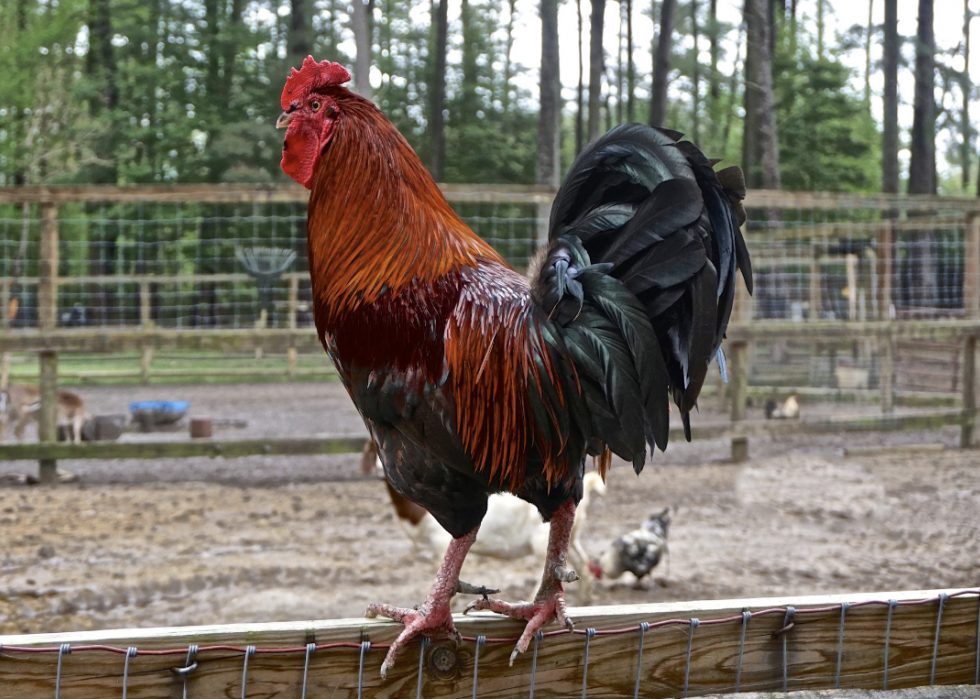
(545,608)
(428,620)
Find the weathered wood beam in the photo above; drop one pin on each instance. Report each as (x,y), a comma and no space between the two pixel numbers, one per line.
(775,656)
(299,447)
(181,450)
(529,194)
(110,340)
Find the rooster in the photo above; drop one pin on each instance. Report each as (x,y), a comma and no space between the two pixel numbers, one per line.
(474,379)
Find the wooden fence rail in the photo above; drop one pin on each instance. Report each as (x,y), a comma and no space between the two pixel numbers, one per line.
(739,430)
(888,640)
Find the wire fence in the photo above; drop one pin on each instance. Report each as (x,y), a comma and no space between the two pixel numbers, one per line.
(906,640)
(186,259)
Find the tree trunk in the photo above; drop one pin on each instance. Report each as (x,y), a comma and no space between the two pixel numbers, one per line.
(508,64)
(661,63)
(867,55)
(760,150)
(630,65)
(889,132)
(231,38)
(300,46)
(922,166)
(732,86)
(596,69)
(696,77)
(713,87)
(362,43)
(469,104)
(439,91)
(101,59)
(821,25)
(965,88)
(580,95)
(620,67)
(549,117)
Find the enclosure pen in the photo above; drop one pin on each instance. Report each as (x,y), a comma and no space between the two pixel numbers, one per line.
(884,641)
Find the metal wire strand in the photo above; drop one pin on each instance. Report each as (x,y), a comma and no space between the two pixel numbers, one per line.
(365,647)
(687,662)
(644,627)
(189,666)
(418,687)
(249,652)
(310,650)
(130,653)
(840,642)
(534,662)
(935,644)
(480,640)
(64,650)
(888,637)
(746,615)
(784,632)
(589,635)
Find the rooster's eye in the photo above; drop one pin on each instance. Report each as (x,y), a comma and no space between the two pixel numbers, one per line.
(316,105)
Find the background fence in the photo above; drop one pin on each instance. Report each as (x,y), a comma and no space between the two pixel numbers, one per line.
(858,298)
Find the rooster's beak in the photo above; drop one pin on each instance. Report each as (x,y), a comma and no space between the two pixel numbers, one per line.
(283,120)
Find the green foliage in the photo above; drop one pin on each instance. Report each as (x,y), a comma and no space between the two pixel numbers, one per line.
(828,140)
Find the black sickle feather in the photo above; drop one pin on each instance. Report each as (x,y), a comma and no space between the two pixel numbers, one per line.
(638,283)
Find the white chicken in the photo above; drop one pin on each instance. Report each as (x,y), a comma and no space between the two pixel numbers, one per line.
(511,529)
(787,410)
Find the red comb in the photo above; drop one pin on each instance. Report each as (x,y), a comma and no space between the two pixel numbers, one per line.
(311,76)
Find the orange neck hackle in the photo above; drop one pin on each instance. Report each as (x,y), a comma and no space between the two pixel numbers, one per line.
(377,220)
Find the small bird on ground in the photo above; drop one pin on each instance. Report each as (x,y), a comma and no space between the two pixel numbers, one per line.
(787,410)
(638,552)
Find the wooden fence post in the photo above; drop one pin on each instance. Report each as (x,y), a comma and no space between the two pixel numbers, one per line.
(886,252)
(47,314)
(4,356)
(968,432)
(738,378)
(886,373)
(543,217)
(293,304)
(971,311)
(816,299)
(4,382)
(146,323)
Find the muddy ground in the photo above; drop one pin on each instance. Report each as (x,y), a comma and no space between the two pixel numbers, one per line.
(200,541)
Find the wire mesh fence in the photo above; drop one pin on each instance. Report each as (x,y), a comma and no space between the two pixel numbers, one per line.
(142,257)
(185,259)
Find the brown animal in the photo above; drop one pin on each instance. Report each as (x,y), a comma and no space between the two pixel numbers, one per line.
(22,403)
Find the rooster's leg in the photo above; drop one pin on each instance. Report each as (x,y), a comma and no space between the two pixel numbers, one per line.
(549,603)
(434,614)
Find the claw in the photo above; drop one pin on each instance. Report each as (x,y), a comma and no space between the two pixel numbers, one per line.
(466,588)
(513,655)
(566,575)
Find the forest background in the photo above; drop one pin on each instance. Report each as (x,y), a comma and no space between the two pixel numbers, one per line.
(137,91)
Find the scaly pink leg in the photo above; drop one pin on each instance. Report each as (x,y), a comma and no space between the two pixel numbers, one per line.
(434,614)
(549,603)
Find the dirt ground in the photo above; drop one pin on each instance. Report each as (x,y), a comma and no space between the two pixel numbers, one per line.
(200,541)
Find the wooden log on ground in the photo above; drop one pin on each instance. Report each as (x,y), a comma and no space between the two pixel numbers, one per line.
(930,641)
